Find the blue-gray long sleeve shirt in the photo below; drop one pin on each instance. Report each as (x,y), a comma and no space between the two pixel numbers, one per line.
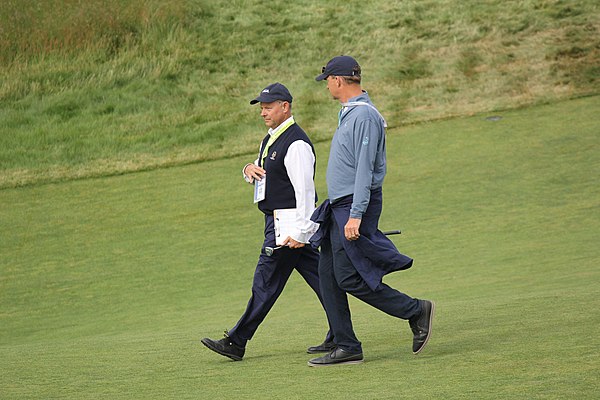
(357,162)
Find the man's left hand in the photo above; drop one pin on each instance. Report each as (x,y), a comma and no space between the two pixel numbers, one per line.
(351,229)
(292,244)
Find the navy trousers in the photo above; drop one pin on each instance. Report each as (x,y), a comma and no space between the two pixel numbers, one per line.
(338,277)
(270,277)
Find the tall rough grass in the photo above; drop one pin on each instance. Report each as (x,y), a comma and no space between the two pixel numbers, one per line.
(109,86)
(33,29)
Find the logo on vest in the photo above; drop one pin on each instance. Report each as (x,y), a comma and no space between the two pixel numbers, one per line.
(273,156)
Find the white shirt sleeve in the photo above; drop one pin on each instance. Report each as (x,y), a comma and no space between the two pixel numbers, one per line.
(299,162)
(248,179)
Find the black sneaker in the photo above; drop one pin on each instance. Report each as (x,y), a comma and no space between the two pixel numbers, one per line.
(336,357)
(225,347)
(325,347)
(421,325)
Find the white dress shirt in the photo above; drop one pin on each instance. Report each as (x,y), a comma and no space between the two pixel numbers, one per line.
(299,162)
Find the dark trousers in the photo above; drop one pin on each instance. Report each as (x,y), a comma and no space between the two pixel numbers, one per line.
(338,277)
(270,277)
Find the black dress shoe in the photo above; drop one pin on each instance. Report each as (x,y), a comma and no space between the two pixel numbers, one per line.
(336,357)
(225,347)
(324,347)
(421,325)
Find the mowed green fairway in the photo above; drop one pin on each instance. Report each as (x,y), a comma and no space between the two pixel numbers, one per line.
(107,285)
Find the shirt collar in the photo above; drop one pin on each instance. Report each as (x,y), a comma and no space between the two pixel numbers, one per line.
(364,96)
(284,125)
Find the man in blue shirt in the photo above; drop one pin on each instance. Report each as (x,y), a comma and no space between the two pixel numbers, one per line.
(355,254)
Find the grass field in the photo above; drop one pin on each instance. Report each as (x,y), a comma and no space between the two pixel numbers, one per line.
(99,87)
(107,285)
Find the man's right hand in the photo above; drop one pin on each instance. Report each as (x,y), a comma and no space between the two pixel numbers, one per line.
(254,172)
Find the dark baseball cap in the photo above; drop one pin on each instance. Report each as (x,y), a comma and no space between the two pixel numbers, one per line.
(273,92)
(340,66)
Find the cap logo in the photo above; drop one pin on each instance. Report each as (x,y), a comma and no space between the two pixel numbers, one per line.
(265,91)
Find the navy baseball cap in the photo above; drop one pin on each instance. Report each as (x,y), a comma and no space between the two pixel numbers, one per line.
(273,92)
(340,66)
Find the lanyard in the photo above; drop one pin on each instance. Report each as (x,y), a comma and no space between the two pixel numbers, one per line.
(274,135)
(360,103)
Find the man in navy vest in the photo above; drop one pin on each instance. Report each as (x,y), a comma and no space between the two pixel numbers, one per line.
(355,254)
(283,176)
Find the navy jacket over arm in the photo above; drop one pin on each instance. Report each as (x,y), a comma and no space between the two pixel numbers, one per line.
(373,254)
